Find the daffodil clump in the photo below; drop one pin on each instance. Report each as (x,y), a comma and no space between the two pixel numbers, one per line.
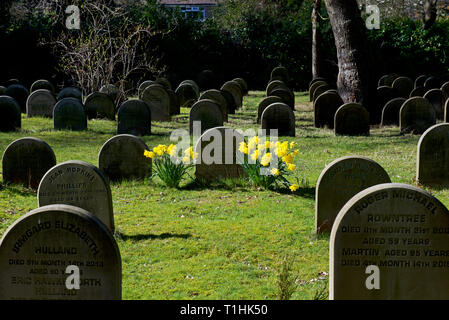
(170,168)
(267,164)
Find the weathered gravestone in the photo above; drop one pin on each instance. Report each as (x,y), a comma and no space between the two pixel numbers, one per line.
(164,82)
(280,73)
(79,184)
(325,107)
(320,90)
(145,85)
(432,83)
(134,117)
(175,107)
(218,155)
(69,114)
(416,116)
(121,158)
(420,80)
(432,167)
(314,86)
(264,104)
(70,92)
(207,113)
(11,118)
(42,84)
(351,119)
(340,181)
(20,94)
(437,99)
(390,113)
(193,84)
(243,85)
(279,116)
(316,80)
(112,91)
(387,80)
(234,89)
(26,160)
(286,95)
(187,94)
(230,102)
(403,232)
(215,95)
(403,86)
(445,89)
(11,82)
(158,100)
(38,248)
(418,92)
(99,106)
(275,84)
(41,103)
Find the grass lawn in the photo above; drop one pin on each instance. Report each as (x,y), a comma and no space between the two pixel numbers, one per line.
(229,240)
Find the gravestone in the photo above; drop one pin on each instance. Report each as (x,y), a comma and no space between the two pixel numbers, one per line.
(215,95)
(416,116)
(403,86)
(11,118)
(41,103)
(42,84)
(264,104)
(11,82)
(325,107)
(157,98)
(112,91)
(207,112)
(243,85)
(222,161)
(316,80)
(121,158)
(340,181)
(134,117)
(351,119)
(446,111)
(99,106)
(385,94)
(20,94)
(175,107)
(2,90)
(79,184)
(272,85)
(387,80)
(145,85)
(444,88)
(187,95)
(230,102)
(418,92)
(432,83)
(164,82)
(234,89)
(193,84)
(70,92)
(320,90)
(419,81)
(432,166)
(437,99)
(314,86)
(279,116)
(400,229)
(280,73)
(26,160)
(286,95)
(390,113)
(69,114)
(37,248)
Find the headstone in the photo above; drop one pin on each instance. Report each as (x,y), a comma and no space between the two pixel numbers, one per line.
(437,99)
(286,95)
(220,162)
(112,91)
(42,84)
(444,88)
(243,85)
(419,81)
(400,230)
(280,73)
(446,111)
(432,83)
(145,85)
(387,80)
(38,248)
(26,160)
(207,112)
(316,80)
(325,107)
(275,84)
(99,106)
(121,158)
(175,107)
(20,94)
(164,82)
(314,86)
(69,114)
(215,95)
(418,92)
(403,86)
(231,107)
(11,118)
(351,119)
(279,116)
(320,90)
(264,104)
(233,88)
(79,184)
(390,113)
(416,116)
(340,181)
(187,95)
(134,117)
(193,84)
(157,98)
(70,92)
(433,156)
(41,103)
(12,81)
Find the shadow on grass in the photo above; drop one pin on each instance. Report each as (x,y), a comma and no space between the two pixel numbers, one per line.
(162,236)
(19,190)
(222,184)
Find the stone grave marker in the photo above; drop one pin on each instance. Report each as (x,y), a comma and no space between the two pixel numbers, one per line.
(272,85)
(446,111)
(187,94)
(243,85)
(12,81)
(42,84)
(416,116)
(11,118)
(314,86)
(325,107)
(41,103)
(432,83)
(418,92)
(2,90)
(164,82)
(112,91)
(79,184)
(264,104)
(279,116)
(400,230)
(69,114)
(233,88)
(38,248)
(134,117)
(175,107)
(70,92)
(387,80)
(99,106)
(280,73)
(145,85)
(317,79)
(445,89)
(340,181)
(193,84)
(230,103)
(420,80)
(207,112)
(437,99)
(20,94)
(26,160)
(286,95)
(390,113)
(157,98)
(320,90)
(215,95)
(351,119)
(403,86)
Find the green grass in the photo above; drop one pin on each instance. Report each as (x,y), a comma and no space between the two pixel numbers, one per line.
(228,240)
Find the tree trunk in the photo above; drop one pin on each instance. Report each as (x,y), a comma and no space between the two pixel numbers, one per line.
(430,13)
(316,40)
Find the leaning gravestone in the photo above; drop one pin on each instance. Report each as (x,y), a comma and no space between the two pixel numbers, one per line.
(279,116)
(403,86)
(233,88)
(99,105)
(187,94)
(42,84)
(79,184)
(264,104)
(390,113)
(416,116)
(325,107)
(41,103)
(26,160)
(399,229)
(215,95)
(207,113)
(218,156)
(38,248)
(158,100)
(20,94)
(437,99)
(11,118)
(121,158)
(432,166)
(351,119)
(70,92)
(340,181)
(69,114)
(134,117)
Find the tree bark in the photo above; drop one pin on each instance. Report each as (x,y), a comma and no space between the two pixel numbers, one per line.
(430,13)
(316,40)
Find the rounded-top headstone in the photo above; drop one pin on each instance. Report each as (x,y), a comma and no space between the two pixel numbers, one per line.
(193,84)
(387,80)
(242,84)
(272,85)
(41,103)
(233,88)
(70,92)
(12,81)
(187,94)
(400,230)
(121,158)
(99,106)
(418,92)
(42,84)
(445,89)
(280,73)
(217,96)
(79,184)
(314,86)
(325,107)
(320,90)
(403,86)
(2,90)
(26,160)
(69,114)
(20,94)
(112,91)
(432,83)
(175,107)
(264,104)
(145,85)
(164,82)
(134,117)
(11,118)
(385,94)
(351,119)
(230,102)
(286,95)
(157,98)
(420,80)
(390,113)
(316,80)
(38,248)
(278,116)
(437,99)
(340,181)
(416,116)
(208,113)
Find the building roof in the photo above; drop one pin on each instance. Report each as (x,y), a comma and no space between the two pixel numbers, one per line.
(189,2)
